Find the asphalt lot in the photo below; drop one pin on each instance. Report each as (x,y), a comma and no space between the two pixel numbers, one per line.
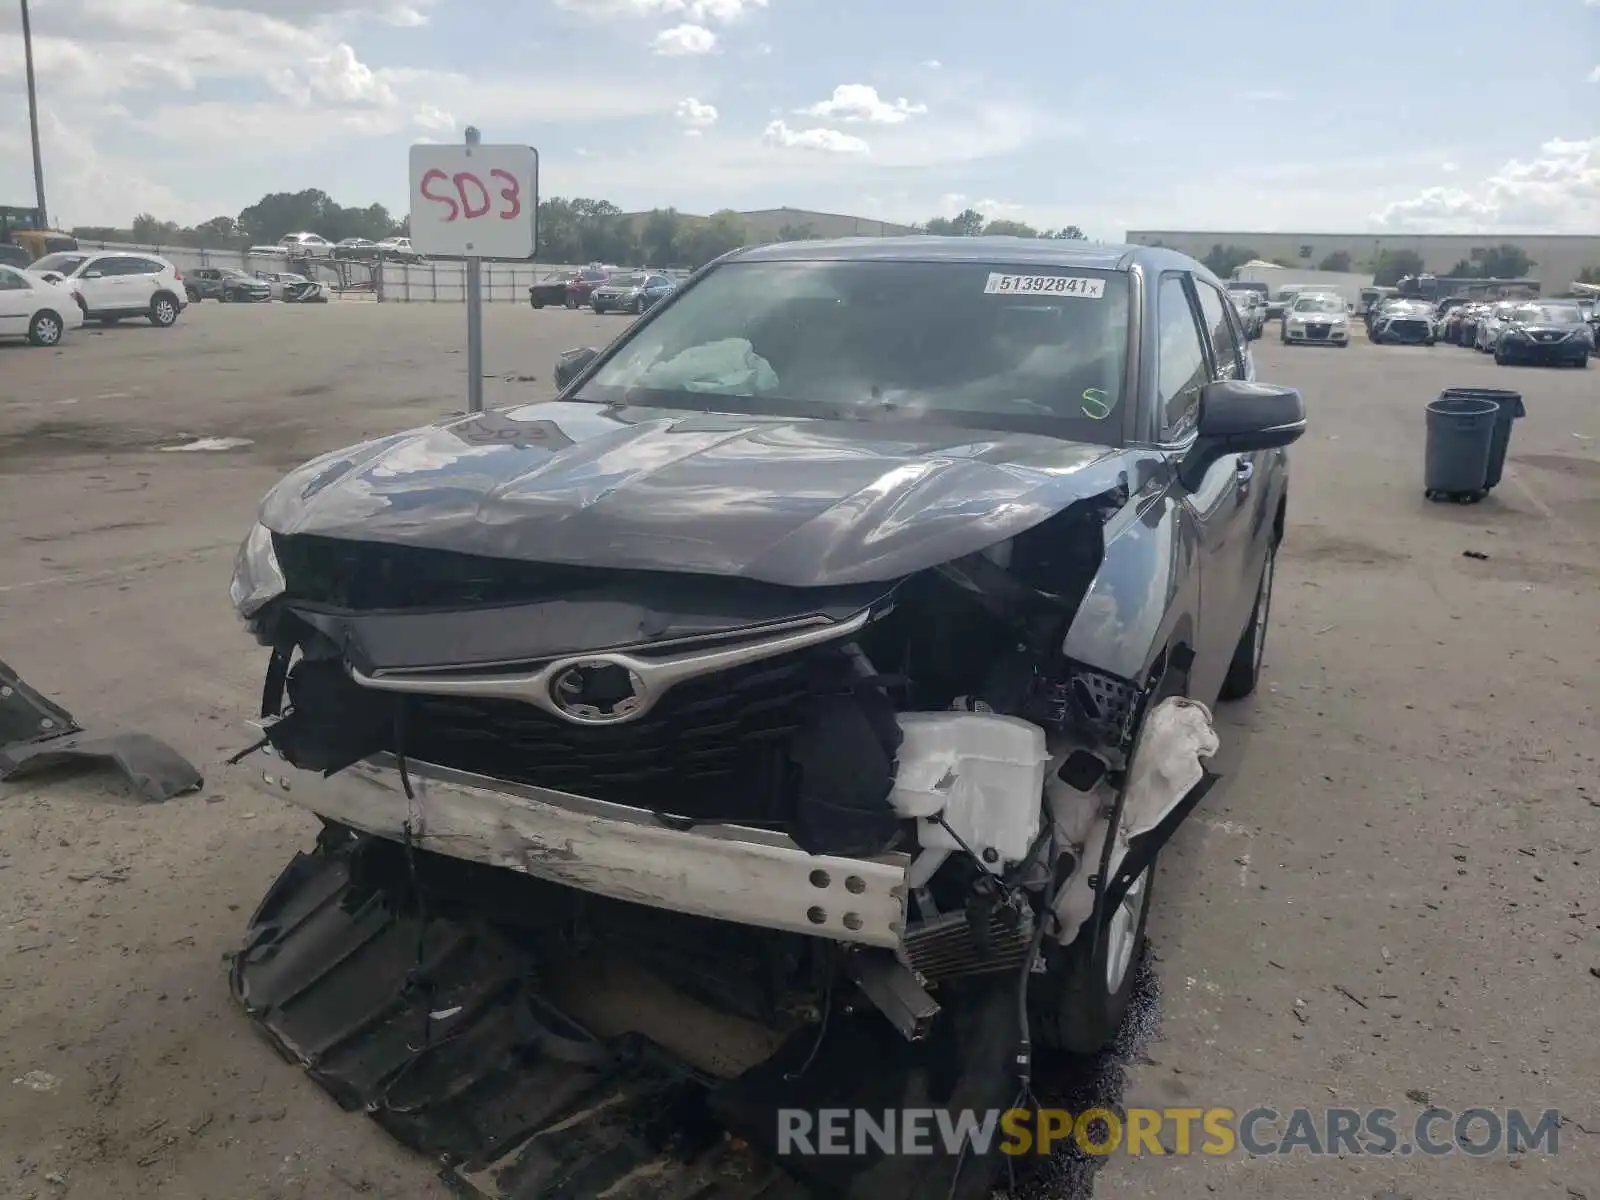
(1390,901)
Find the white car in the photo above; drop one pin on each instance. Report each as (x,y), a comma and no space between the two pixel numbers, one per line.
(398,247)
(306,245)
(292,288)
(1313,317)
(37,308)
(1492,324)
(116,284)
(1252,309)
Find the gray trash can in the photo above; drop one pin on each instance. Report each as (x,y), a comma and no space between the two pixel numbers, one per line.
(1511,407)
(1460,440)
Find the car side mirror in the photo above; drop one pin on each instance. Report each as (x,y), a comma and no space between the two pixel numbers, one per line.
(1237,416)
(572,363)
(93,274)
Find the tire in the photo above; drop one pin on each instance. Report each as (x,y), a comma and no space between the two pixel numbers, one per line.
(164,310)
(46,328)
(1079,1004)
(1583,363)
(226,297)
(572,302)
(638,307)
(1500,360)
(1244,672)
(536,304)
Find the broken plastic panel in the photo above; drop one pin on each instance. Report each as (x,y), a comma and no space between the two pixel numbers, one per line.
(972,781)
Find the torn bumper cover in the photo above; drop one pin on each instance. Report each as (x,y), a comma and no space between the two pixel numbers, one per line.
(36,734)
(746,876)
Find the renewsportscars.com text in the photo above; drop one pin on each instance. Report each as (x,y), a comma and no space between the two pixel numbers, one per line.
(1260,1132)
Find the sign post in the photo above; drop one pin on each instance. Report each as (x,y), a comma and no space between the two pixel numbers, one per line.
(474,202)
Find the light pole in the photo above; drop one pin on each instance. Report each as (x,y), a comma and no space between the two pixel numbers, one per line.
(33,118)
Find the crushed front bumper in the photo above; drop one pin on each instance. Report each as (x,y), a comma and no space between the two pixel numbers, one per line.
(729,873)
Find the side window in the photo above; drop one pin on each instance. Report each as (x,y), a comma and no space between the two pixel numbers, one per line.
(1224,343)
(10,281)
(114,266)
(1181,369)
(143,266)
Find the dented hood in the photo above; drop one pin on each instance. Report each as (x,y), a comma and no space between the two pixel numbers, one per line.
(802,503)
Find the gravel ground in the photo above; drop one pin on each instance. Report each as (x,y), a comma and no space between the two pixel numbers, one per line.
(1389,901)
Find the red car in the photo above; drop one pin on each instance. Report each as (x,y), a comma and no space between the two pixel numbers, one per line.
(570,288)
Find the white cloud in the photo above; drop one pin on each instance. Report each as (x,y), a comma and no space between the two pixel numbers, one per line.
(1262,96)
(240,97)
(695,10)
(933,64)
(1449,168)
(854,102)
(1557,191)
(696,114)
(683,40)
(830,141)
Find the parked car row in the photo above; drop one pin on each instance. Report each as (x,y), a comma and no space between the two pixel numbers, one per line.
(1528,330)
(602,288)
(231,285)
(312,245)
(61,291)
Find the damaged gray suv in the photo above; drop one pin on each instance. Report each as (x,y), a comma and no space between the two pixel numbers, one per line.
(841,640)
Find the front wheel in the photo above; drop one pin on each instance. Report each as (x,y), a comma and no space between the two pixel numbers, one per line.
(1081,1002)
(1244,672)
(45,329)
(572,302)
(638,307)
(163,311)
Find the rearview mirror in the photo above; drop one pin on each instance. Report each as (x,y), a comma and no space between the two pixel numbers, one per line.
(1237,416)
(571,364)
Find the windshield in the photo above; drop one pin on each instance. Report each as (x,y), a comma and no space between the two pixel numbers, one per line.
(63,262)
(1549,314)
(962,343)
(1319,304)
(628,281)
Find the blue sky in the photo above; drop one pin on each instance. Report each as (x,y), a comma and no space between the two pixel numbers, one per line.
(1362,115)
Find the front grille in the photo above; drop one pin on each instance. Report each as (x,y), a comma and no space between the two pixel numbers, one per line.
(1317,331)
(1410,330)
(711,748)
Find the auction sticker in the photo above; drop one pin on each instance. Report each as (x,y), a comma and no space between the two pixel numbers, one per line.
(1044,285)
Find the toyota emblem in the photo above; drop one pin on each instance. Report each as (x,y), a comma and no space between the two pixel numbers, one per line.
(597,692)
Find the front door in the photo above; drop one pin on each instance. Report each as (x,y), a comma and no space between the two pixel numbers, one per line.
(1185,367)
(16,303)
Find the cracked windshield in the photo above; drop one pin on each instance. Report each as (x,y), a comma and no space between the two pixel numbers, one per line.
(751,600)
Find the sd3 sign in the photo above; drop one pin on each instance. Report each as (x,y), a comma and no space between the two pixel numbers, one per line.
(475,201)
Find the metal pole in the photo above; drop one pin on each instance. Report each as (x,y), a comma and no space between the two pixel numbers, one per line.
(33,119)
(474,316)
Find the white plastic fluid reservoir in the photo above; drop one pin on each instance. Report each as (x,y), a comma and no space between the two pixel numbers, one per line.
(983,772)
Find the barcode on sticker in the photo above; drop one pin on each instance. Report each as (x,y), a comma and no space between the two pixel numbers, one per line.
(1044,285)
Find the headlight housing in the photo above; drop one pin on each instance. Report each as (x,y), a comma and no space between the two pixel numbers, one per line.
(257,578)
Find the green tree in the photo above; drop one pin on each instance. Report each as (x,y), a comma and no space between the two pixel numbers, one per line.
(1505,261)
(796,233)
(724,231)
(1589,275)
(1465,269)
(663,229)
(1010,229)
(1067,233)
(148,231)
(220,232)
(1339,260)
(1223,261)
(1391,266)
